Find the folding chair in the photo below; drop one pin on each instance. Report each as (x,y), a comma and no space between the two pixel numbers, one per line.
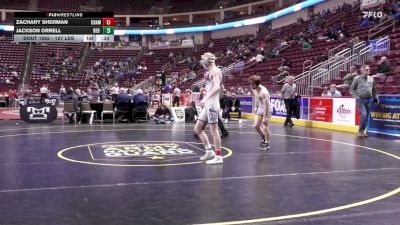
(69,109)
(86,109)
(108,108)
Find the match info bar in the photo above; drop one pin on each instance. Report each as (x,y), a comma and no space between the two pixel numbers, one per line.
(63,27)
(63,38)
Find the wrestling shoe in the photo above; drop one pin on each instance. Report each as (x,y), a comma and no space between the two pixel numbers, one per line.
(265,147)
(216,160)
(209,155)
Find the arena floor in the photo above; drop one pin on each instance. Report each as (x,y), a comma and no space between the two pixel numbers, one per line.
(150,174)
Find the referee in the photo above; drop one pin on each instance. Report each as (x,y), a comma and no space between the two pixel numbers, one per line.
(289,97)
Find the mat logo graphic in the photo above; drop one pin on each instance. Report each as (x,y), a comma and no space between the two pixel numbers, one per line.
(372,14)
(38,114)
(343,112)
(148,150)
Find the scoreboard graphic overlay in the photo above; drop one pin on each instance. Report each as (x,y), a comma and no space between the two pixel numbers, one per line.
(64,27)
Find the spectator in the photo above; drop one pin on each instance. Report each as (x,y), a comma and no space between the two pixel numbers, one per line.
(202,92)
(286,65)
(365,22)
(192,76)
(384,68)
(348,79)
(259,58)
(196,89)
(333,92)
(62,92)
(12,97)
(163,115)
(325,92)
(306,45)
(234,106)
(114,91)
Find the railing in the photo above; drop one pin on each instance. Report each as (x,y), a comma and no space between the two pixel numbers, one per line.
(333,50)
(280,78)
(198,83)
(228,69)
(280,48)
(310,62)
(304,80)
(322,66)
(166,66)
(380,28)
(143,84)
(357,47)
(325,76)
(365,55)
(249,64)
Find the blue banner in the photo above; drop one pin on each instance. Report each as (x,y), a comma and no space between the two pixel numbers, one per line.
(385,116)
(278,106)
(304,108)
(246,104)
(377,49)
(279,109)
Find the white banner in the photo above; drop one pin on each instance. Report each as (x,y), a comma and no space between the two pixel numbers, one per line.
(166,99)
(344,111)
(179,114)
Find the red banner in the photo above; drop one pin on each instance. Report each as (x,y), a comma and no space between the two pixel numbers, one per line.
(357,116)
(321,109)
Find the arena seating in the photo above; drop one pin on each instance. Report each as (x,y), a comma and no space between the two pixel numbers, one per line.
(11,58)
(60,5)
(14,4)
(159,58)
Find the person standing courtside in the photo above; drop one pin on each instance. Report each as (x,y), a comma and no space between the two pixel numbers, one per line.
(43,94)
(210,112)
(263,110)
(289,98)
(177,96)
(364,90)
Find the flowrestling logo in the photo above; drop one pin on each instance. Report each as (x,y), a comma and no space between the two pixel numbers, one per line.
(375,15)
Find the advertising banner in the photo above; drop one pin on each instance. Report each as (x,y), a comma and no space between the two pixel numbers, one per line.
(344,111)
(385,116)
(166,99)
(178,113)
(321,109)
(185,100)
(38,113)
(279,108)
(304,108)
(246,103)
